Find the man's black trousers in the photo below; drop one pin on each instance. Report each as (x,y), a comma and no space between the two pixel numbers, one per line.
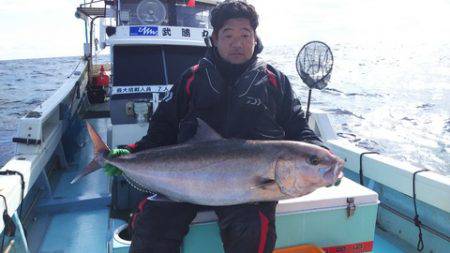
(159,227)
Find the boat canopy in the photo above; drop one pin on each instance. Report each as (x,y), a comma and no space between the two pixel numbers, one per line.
(165,12)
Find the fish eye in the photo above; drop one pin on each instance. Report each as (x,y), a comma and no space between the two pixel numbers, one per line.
(313,160)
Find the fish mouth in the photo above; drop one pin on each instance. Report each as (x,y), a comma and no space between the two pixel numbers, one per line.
(334,173)
(329,174)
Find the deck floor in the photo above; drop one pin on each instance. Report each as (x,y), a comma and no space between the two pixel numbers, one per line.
(63,233)
(385,242)
(74,207)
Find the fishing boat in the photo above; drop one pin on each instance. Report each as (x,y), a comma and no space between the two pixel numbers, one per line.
(382,205)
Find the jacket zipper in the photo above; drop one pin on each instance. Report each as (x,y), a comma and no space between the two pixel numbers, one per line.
(228,114)
(229,100)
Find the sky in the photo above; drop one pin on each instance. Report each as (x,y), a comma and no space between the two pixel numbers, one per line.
(38,29)
(48,28)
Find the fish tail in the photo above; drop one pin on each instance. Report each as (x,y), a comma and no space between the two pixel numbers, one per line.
(99,146)
(91,167)
(100,150)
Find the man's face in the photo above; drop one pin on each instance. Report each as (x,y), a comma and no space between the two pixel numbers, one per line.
(235,41)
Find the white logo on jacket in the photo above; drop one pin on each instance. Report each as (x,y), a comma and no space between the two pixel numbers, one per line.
(168,96)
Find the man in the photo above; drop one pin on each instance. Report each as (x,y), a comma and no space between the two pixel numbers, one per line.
(240,97)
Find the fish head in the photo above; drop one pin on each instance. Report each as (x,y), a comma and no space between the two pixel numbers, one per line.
(301,171)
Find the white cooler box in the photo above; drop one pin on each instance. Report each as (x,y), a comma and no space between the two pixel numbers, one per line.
(337,219)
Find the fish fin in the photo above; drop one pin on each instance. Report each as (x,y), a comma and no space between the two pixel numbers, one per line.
(91,167)
(204,133)
(99,146)
(263,183)
(100,149)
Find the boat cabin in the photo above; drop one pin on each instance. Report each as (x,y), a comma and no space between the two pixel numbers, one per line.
(153,43)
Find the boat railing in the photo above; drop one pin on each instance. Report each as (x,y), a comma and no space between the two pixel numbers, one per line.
(431,187)
(38,136)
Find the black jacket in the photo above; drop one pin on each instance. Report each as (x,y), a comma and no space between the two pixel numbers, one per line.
(259,105)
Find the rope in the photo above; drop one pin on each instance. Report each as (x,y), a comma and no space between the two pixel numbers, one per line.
(4,230)
(361,174)
(417,222)
(22,181)
(433,231)
(10,173)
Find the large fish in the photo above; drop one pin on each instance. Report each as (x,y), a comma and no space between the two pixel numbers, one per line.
(211,170)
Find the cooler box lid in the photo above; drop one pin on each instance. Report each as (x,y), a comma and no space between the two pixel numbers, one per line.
(334,197)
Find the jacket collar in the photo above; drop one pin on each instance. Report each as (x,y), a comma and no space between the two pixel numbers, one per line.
(210,61)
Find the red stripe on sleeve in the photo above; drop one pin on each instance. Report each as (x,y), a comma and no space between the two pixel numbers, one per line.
(272,78)
(132,146)
(190,79)
(140,210)
(263,234)
(191,3)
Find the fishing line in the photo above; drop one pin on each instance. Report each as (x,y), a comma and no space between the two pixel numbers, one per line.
(74,70)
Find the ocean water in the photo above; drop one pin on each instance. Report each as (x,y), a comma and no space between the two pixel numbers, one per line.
(394,100)
(390,98)
(25,84)
(390,86)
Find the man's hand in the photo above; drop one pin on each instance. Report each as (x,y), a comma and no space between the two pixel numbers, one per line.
(110,169)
